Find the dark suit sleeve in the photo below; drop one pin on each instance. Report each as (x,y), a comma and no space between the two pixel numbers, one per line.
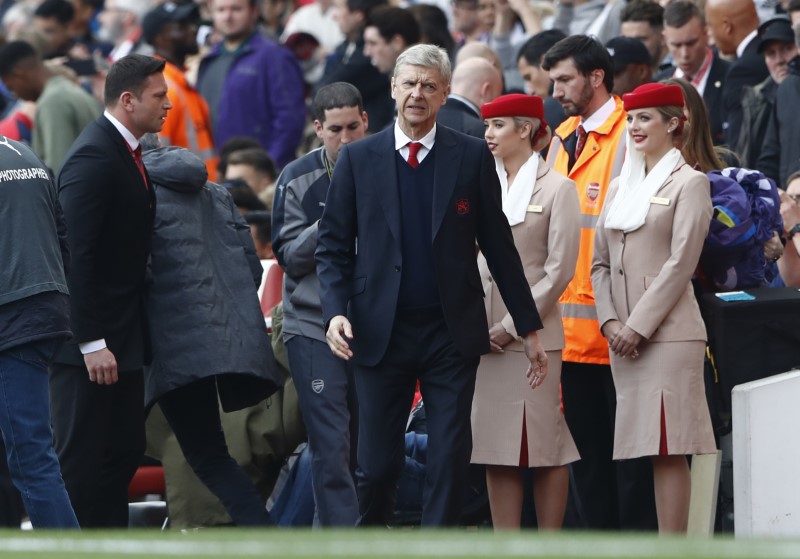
(746,71)
(769,158)
(336,242)
(497,245)
(87,199)
(61,227)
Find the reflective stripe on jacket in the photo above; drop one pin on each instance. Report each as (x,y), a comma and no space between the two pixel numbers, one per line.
(599,162)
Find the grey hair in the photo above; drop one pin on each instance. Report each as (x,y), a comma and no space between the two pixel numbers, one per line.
(429,56)
(149,142)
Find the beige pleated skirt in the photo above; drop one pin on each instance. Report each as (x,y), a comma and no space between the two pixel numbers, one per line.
(504,399)
(668,374)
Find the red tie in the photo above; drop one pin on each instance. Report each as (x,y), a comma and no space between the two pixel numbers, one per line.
(137,157)
(413,150)
(581,141)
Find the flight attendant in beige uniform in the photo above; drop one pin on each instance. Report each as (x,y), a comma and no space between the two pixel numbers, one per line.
(514,426)
(647,244)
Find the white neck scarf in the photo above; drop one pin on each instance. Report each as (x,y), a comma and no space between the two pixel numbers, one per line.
(629,208)
(515,202)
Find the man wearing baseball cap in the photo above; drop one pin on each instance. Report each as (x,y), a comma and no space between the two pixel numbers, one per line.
(631,62)
(171,29)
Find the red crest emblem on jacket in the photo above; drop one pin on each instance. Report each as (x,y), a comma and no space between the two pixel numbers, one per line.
(462,206)
(592,191)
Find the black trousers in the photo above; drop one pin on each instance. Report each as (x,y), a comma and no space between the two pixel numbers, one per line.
(605,495)
(192,412)
(420,348)
(98,434)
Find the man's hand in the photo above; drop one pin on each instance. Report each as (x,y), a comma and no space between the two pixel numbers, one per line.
(339,333)
(498,337)
(625,342)
(537,370)
(102,366)
(773,248)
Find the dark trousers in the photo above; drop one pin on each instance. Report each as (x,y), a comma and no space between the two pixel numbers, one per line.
(606,494)
(420,348)
(98,434)
(327,397)
(192,412)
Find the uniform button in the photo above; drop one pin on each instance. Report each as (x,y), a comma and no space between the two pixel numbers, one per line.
(397,268)
(620,272)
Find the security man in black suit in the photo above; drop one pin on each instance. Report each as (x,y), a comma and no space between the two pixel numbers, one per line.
(96,385)
(400,290)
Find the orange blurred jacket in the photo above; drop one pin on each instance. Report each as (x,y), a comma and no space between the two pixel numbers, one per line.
(599,162)
(188,123)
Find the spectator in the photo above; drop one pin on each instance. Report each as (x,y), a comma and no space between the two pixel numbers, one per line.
(588,148)
(121,25)
(693,59)
(479,50)
(172,31)
(255,167)
(260,223)
(34,322)
(82,29)
(253,86)
(778,159)
(202,258)
(243,196)
(537,79)
(96,380)
(514,428)
(475,82)
(644,20)
(53,18)
(315,18)
(63,109)
(778,48)
(324,383)
(473,20)
(234,144)
(274,14)
(433,27)
(595,18)
(793,9)
(655,333)
(734,25)
(789,263)
(388,32)
(348,63)
(631,64)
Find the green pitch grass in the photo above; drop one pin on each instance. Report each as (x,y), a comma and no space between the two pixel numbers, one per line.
(392,544)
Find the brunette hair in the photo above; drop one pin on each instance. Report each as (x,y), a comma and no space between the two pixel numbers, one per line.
(697,147)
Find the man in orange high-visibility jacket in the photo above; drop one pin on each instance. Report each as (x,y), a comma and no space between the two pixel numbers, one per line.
(172,31)
(589,148)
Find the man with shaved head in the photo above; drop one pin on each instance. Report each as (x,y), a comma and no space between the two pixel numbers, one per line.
(733,25)
(475,82)
(480,50)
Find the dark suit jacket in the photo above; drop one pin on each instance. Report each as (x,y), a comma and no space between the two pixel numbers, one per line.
(109,214)
(712,94)
(456,114)
(750,69)
(363,205)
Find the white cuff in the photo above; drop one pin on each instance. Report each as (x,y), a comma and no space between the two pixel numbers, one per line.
(91,347)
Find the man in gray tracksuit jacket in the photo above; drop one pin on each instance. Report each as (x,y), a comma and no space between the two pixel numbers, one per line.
(324,383)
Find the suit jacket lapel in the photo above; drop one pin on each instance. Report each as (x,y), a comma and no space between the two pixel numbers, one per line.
(385,163)
(447,159)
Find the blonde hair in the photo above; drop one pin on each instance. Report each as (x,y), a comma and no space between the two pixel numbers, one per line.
(539,137)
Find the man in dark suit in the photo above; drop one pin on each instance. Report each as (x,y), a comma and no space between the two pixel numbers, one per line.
(734,27)
(400,290)
(96,383)
(686,36)
(348,63)
(475,82)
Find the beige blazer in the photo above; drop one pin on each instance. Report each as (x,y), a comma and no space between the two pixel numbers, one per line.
(643,278)
(547,241)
